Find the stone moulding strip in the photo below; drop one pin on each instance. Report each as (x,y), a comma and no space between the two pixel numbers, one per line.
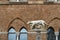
(4,2)
(35,2)
(27,3)
(24,32)
(20,32)
(7,2)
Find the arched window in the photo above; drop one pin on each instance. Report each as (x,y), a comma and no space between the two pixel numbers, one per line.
(50,34)
(59,35)
(23,34)
(11,34)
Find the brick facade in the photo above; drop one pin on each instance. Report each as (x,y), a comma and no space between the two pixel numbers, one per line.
(18,16)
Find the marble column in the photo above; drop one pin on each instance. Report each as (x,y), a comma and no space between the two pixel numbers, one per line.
(17,35)
(56,34)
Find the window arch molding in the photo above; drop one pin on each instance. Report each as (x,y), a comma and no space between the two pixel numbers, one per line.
(10,28)
(22,28)
(51,28)
(53,19)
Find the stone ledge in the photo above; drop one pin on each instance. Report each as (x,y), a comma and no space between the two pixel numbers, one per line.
(35,2)
(4,2)
(8,3)
(29,3)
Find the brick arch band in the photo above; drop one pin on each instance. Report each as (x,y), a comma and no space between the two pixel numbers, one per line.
(53,19)
(14,20)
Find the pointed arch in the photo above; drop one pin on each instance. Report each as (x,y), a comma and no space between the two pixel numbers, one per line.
(53,19)
(51,34)
(23,34)
(22,28)
(10,35)
(16,19)
(11,28)
(51,28)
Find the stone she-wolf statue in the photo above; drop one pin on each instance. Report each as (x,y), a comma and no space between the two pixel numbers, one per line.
(38,24)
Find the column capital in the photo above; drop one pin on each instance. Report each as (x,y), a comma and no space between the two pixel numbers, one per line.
(56,33)
(17,33)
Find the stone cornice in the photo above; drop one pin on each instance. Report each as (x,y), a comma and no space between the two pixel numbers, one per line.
(27,3)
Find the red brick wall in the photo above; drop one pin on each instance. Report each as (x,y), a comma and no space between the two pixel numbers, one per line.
(18,16)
